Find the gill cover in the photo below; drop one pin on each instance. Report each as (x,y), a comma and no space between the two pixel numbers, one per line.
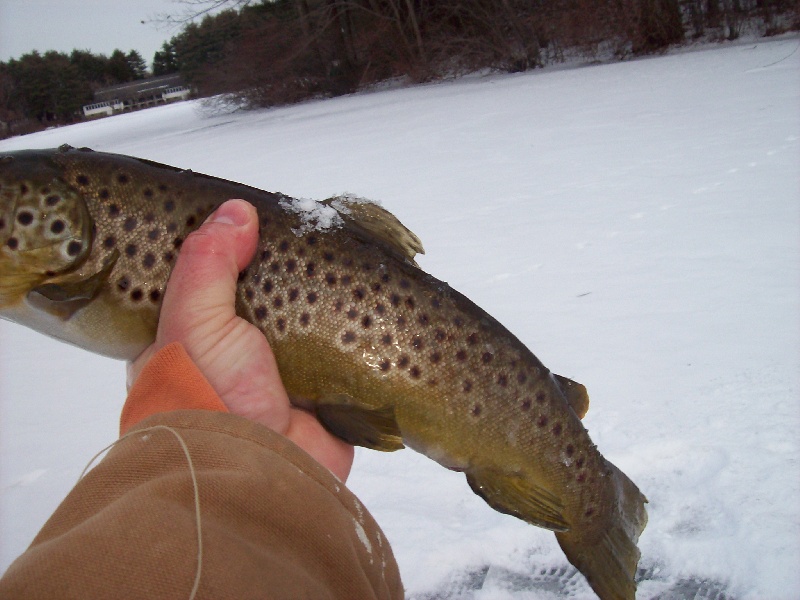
(45,226)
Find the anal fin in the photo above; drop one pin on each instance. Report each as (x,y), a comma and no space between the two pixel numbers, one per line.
(514,495)
(376,429)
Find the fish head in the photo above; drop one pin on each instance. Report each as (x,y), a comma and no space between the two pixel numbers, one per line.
(45,226)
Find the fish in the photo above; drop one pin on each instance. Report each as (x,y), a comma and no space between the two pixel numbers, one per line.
(386,355)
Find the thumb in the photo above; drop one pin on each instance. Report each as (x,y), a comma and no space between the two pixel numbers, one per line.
(206,272)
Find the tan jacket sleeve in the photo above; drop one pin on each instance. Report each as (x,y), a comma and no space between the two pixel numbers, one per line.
(275,523)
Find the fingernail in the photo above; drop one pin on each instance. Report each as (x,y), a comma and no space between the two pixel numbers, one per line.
(233,212)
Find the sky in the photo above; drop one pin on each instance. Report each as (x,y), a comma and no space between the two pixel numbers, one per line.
(97,25)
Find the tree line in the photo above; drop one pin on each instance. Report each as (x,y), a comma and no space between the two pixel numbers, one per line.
(38,90)
(282,51)
(269,52)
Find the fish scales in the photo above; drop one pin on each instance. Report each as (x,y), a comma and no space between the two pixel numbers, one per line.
(384,353)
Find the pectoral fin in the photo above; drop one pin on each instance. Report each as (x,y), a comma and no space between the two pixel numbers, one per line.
(514,495)
(376,429)
(575,393)
(63,297)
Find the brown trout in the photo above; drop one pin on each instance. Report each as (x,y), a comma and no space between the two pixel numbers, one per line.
(385,354)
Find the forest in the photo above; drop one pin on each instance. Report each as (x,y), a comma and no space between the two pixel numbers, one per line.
(274,52)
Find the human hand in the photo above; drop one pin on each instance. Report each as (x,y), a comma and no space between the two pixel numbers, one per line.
(234,356)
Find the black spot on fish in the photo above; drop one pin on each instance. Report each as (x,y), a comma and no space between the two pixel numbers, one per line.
(386,339)
(177,242)
(330,278)
(191,221)
(415,372)
(476,410)
(261,312)
(376,287)
(380,308)
(467,386)
(168,257)
(395,300)
(348,337)
(436,358)
(310,268)
(541,421)
(81,180)
(581,477)
(155,296)
(366,322)
(405,284)
(294,293)
(580,462)
(249,293)
(149,260)
(130,224)
(436,303)
(277,302)
(541,397)
(417,343)
(366,266)
(283,246)
(169,205)
(291,265)
(521,378)
(74,248)
(172,227)
(526,404)
(311,240)
(137,295)
(131,249)
(305,319)
(328,256)
(472,339)
(2,223)
(346,279)
(52,200)
(401,321)
(569,450)
(311,298)
(57,226)
(385,365)
(487,357)
(123,178)
(123,283)
(12,243)
(274,266)
(153,234)
(149,218)
(281,324)
(359,293)
(410,302)
(440,335)
(23,189)
(589,512)
(403,362)
(423,319)
(104,194)
(461,355)
(113,210)
(502,380)
(162,187)
(25,218)
(148,193)
(352,313)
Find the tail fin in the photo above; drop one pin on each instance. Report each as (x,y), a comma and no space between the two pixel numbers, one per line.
(609,564)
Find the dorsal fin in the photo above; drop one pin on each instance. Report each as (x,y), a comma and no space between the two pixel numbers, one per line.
(575,393)
(379,222)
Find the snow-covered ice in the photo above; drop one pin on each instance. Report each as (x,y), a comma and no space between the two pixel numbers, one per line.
(636,224)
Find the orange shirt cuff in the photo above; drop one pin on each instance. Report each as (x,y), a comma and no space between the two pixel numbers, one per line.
(169,381)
